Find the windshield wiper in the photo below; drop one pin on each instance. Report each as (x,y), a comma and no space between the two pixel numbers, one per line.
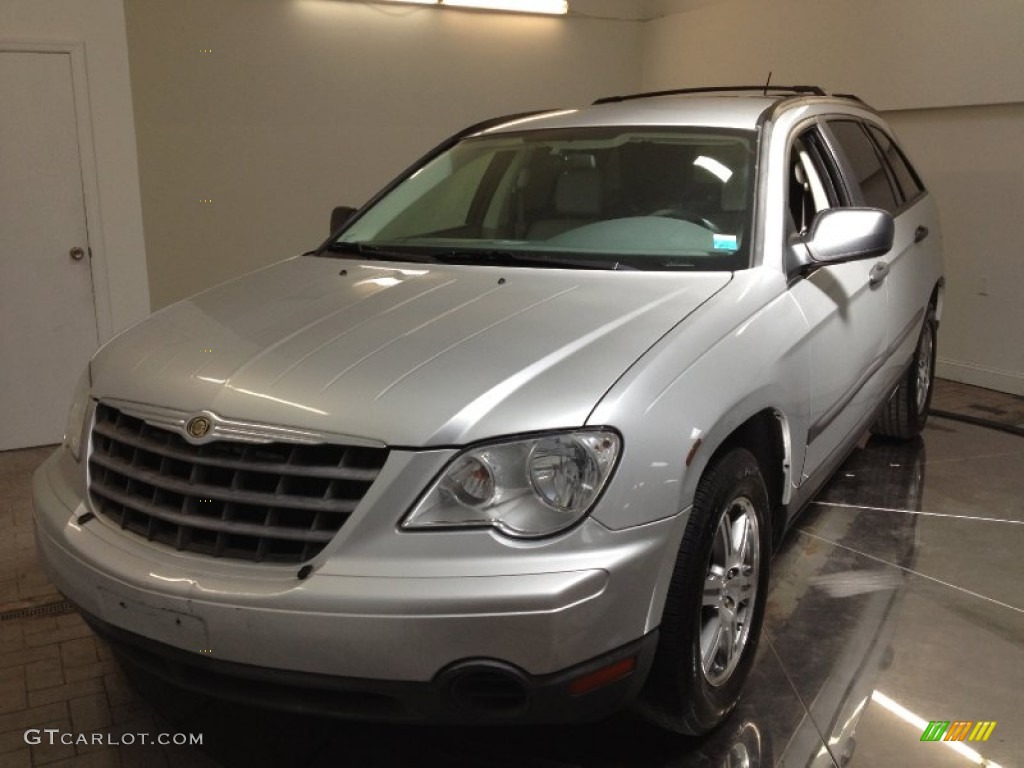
(378,253)
(424,255)
(523,258)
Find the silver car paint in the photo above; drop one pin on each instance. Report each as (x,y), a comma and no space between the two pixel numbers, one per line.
(392,353)
(407,355)
(722,111)
(540,606)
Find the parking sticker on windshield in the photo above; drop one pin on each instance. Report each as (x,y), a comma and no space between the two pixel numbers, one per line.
(725,242)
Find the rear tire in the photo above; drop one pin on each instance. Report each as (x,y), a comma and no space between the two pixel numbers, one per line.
(715,604)
(906,413)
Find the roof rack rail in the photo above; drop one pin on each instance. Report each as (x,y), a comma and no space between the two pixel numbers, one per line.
(853,96)
(797,89)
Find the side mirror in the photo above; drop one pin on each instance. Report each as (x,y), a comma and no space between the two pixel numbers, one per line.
(339,216)
(846,234)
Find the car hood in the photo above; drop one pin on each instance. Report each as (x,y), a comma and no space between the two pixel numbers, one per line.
(410,355)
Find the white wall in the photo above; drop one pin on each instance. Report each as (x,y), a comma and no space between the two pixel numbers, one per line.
(895,54)
(307,104)
(110,165)
(949,75)
(973,161)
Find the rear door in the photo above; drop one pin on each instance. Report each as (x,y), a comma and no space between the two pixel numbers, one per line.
(879,176)
(913,273)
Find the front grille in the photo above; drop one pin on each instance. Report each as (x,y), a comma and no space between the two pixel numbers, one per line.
(274,502)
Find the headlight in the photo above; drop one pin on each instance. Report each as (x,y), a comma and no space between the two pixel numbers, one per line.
(524,488)
(76,416)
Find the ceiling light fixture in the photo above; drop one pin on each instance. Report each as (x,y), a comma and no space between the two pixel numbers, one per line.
(550,7)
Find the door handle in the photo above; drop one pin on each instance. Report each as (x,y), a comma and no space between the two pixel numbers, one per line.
(76,253)
(878,273)
(920,234)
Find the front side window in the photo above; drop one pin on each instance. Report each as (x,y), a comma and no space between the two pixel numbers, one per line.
(612,198)
(811,188)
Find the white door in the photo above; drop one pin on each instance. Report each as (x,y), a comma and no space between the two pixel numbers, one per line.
(47,309)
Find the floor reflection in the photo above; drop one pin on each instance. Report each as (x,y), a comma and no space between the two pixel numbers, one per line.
(896,600)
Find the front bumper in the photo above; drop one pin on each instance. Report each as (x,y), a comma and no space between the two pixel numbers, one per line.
(475,691)
(398,641)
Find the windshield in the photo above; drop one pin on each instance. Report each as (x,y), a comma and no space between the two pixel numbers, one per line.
(612,198)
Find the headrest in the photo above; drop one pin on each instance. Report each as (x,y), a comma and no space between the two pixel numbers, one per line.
(578,189)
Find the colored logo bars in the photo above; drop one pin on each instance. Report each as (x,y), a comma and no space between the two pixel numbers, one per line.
(958,730)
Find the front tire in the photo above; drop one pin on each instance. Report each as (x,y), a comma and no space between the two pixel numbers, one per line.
(906,412)
(715,604)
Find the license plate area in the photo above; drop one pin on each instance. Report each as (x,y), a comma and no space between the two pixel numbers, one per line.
(163,625)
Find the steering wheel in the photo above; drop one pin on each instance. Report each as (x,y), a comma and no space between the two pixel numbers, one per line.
(677,213)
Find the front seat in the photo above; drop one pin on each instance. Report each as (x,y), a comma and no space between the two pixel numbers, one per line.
(577,199)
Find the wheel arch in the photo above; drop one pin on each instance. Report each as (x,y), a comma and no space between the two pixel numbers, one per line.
(762,436)
(766,435)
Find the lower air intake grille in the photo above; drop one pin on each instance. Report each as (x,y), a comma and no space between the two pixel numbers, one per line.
(273,502)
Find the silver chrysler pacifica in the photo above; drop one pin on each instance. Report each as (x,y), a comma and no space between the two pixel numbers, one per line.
(517,442)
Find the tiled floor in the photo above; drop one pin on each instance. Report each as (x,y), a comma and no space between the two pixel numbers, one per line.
(54,673)
(895,601)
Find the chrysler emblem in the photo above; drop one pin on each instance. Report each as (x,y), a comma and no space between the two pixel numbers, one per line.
(198,426)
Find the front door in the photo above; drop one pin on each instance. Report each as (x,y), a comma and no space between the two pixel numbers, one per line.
(846,308)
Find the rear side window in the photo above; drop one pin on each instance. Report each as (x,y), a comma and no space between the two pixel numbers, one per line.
(868,171)
(909,182)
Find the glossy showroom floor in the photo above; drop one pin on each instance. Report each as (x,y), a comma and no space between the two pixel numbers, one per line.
(897,600)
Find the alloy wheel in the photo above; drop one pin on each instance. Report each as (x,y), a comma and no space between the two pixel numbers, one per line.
(730,591)
(924,367)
